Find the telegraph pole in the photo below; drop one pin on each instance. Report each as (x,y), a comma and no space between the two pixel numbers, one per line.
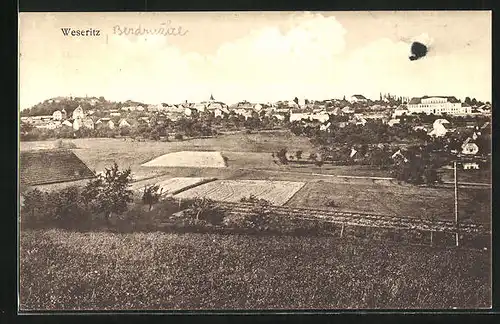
(456,200)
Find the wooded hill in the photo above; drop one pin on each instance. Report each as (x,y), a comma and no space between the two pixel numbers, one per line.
(49,106)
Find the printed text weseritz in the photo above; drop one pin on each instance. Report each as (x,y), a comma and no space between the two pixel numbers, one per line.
(80,32)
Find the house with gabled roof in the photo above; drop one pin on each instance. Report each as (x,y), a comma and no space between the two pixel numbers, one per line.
(357,98)
(78,113)
(123,123)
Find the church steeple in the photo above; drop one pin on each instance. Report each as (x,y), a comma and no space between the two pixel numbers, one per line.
(212,97)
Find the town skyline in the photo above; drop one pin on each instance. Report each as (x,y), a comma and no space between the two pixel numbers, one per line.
(265,57)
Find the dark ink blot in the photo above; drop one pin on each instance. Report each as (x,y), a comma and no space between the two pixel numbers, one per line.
(418,50)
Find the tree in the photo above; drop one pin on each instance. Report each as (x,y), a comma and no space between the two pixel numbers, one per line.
(151,195)
(109,193)
(298,154)
(33,202)
(431,176)
(206,209)
(296,100)
(281,155)
(25,128)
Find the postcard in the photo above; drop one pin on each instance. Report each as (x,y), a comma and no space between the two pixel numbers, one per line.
(246,161)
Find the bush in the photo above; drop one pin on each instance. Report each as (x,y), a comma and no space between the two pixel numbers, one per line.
(58,208)
(254,200)
(151,195)
(331,203)
(206,210)
(178,136)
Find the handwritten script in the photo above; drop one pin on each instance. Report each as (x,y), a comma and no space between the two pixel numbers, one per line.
(165,29)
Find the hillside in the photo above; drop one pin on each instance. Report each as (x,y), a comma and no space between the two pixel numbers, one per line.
(49,106)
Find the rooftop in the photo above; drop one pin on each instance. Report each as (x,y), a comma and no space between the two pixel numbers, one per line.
(417,100)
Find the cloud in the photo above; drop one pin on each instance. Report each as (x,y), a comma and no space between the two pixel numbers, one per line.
(305,56)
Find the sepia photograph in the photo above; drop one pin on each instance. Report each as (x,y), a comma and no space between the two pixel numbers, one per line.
(249,161)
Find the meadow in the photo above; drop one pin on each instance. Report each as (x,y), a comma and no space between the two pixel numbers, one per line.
(63,270)
(397,200)
(249,158)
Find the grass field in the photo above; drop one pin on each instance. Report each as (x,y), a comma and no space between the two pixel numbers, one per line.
(276,192)
(99,153)
(249,158)
(400,200)
(242,150)
(79,271)
(170,185)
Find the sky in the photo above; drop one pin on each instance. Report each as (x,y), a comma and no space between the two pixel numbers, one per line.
(254,56)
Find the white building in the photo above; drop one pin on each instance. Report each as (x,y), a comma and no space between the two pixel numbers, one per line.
(57,115)
(400,111)
(469,148)
(471,166)
(357,98)
(393,122)
(438,128)
(348,110)
(438,105)
(77,124)
(78,113)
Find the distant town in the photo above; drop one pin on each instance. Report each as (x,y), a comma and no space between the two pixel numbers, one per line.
(92,112)
(434,116)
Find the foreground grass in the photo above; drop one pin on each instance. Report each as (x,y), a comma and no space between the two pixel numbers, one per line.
(78,271)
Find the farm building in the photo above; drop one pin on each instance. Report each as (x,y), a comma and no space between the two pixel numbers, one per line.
(51,166)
